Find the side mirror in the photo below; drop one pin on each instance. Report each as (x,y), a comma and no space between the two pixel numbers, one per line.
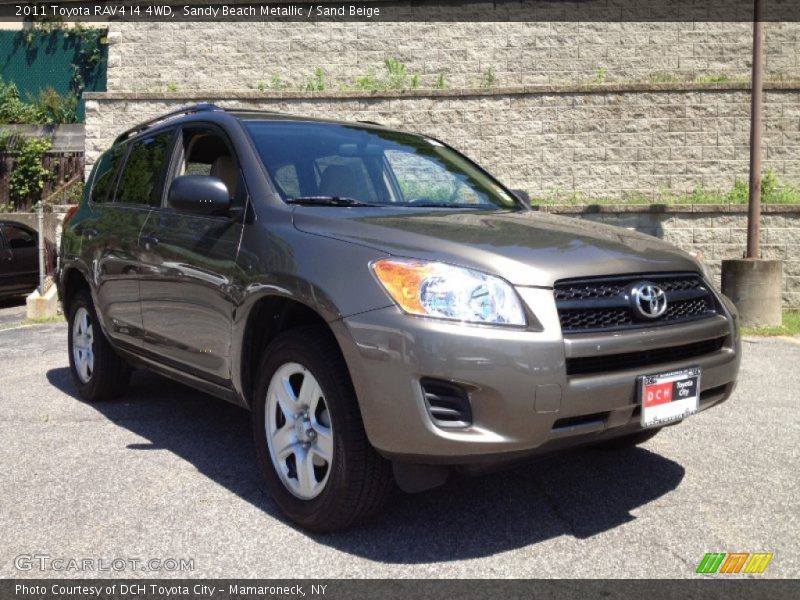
(199,194)
(523,197)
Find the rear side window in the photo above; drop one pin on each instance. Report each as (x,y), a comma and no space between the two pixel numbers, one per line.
(104,174)
(143,173)
(19,238)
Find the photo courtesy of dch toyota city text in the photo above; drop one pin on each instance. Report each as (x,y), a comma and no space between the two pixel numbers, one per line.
(391,299)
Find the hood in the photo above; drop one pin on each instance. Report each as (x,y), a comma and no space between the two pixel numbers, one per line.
(525,248)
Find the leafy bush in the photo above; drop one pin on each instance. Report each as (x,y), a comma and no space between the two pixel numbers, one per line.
(13,109)
(48,107)
(57,108)
(29,175)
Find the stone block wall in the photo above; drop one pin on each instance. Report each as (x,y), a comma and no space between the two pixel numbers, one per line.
(66,137)
(596,141)
(191,56)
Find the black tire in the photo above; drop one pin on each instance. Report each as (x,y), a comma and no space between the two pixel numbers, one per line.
(111,374)
(360,480)
(630,440)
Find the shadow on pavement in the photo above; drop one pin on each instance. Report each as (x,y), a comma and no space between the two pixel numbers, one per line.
(12,302)
(579,493)
(13,311)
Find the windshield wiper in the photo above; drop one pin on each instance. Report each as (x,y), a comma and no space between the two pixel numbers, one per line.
(327,201)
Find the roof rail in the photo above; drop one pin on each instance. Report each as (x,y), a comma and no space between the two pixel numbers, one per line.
(186,110)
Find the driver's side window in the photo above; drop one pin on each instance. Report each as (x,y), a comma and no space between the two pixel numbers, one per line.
(205,152)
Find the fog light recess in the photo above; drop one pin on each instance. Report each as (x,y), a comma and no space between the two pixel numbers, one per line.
(447,404)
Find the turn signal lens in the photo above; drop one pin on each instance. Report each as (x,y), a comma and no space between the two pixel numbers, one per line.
(433,289)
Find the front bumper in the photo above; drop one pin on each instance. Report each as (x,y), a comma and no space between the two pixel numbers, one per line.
(521,397)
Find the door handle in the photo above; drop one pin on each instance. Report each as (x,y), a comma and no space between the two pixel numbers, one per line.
(148,241)
(88,232)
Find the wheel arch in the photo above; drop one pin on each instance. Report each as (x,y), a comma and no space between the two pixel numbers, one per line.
(267,317)
(73,280)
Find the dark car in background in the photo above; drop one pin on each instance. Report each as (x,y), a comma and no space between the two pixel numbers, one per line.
(386,308)
(19,259)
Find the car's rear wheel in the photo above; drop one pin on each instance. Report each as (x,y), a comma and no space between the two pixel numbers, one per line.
(630,440)
(97,371)
(318,464)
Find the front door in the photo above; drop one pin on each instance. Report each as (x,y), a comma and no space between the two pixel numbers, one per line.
(188,265)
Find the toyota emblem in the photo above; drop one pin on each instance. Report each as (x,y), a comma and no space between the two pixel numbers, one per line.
(649,300)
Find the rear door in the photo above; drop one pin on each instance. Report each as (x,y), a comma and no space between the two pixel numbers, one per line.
(123,194)
(189,264)
(21,270)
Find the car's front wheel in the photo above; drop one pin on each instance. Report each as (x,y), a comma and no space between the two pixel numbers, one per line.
(97,371)
(319,466)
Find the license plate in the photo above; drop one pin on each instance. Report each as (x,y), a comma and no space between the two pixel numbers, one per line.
(669,397)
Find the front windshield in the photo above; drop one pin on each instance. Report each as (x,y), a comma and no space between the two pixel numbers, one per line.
(373,166)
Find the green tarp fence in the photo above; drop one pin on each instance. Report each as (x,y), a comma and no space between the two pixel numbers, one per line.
(34,62)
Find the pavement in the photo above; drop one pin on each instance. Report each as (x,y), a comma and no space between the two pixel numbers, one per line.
(12,312)
(167,472)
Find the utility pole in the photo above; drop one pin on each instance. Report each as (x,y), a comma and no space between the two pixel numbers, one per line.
(757,109)
(755,283)
(42,265)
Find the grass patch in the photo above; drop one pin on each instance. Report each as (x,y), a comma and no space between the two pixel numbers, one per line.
(396,77)
(44,320)
(772,192)
(791,326)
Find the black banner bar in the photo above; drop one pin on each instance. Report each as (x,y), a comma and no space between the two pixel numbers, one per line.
(390,10)
(704,587)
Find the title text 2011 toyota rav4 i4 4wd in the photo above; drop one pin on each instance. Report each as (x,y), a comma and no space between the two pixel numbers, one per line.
(386,309)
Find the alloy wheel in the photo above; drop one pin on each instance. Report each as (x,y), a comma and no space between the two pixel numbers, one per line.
(299,431)
(83,344)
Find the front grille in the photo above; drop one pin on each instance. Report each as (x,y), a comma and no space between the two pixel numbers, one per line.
(588,365)
(605,304)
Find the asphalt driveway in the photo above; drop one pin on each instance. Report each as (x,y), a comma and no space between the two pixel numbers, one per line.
(167,472)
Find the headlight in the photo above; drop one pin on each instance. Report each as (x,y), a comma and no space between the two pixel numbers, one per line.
(432,289)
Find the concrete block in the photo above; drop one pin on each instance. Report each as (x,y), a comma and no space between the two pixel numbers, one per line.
(43,307)
(755,286)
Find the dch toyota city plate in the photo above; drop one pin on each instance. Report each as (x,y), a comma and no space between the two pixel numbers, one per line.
(669,397)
